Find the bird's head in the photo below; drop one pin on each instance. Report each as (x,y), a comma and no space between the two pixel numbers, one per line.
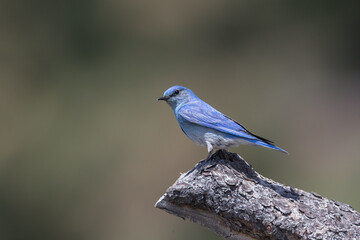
(177,95)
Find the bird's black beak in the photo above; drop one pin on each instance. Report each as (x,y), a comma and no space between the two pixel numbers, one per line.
(163,98)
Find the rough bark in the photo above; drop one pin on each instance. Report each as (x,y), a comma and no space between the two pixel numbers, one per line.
(226,195)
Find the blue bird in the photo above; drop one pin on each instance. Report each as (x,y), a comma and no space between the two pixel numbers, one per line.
(208,127)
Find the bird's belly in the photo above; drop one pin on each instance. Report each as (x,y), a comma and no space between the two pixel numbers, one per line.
(201,135)
(222,140)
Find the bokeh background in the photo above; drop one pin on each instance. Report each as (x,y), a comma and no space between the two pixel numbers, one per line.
(85,148)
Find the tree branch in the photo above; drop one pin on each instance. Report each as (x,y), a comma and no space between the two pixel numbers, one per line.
(227,196)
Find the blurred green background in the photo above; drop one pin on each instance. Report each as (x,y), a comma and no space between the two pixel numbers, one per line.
(86,150)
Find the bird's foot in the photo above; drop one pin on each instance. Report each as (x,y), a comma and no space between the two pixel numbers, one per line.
(209,156)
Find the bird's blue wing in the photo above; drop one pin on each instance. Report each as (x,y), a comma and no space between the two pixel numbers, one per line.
(203,114)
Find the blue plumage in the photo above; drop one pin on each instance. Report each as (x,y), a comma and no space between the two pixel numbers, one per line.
(206,126)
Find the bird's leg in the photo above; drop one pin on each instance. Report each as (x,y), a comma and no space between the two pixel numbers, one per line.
(200,164)
(210,149)
(209,155)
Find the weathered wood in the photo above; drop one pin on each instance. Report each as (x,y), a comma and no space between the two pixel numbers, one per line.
(226,195)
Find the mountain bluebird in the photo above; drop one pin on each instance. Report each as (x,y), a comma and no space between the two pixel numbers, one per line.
(208,127)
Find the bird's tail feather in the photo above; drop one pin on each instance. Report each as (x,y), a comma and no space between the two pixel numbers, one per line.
(267,145)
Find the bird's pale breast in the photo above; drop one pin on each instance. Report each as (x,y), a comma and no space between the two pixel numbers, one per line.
(200,135)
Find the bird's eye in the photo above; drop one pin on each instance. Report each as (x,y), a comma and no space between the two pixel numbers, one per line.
(176,92)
